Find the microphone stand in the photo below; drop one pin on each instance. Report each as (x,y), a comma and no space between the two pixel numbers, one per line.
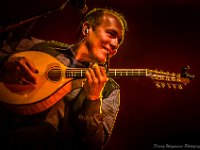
(34,19)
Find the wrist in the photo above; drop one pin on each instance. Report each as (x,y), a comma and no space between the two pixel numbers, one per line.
(92,107)
(94,98)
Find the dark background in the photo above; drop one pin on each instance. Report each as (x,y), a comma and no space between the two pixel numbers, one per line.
(163,35)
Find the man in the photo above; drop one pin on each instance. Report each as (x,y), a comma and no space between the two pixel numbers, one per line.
(83,118)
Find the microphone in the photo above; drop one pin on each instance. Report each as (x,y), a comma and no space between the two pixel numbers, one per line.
(80,4)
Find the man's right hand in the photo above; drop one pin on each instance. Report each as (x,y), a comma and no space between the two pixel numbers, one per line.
(19,70)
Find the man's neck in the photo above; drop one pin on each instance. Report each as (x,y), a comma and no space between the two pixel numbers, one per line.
(81,53)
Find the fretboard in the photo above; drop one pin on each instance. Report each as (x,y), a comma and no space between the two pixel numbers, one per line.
(80,72)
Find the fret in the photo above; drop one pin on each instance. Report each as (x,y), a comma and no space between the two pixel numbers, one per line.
(146,72)
(80,72)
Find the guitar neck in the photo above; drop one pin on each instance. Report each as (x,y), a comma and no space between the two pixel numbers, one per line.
(80,72)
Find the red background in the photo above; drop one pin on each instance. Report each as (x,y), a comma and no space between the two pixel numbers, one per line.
(162,35)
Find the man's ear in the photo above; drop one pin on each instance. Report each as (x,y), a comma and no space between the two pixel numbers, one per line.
(85,28)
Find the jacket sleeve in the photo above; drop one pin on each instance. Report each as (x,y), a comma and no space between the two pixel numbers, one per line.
(95,120)
(3,57)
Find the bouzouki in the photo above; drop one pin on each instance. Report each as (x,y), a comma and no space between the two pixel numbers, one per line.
(55,80)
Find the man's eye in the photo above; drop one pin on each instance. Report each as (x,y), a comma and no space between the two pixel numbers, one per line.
(112,34)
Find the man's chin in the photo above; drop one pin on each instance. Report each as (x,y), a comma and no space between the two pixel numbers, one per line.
(102,61)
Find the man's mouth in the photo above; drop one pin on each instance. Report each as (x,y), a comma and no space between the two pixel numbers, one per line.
(107,50)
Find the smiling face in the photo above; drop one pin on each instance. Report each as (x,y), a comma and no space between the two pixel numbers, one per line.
(104,39)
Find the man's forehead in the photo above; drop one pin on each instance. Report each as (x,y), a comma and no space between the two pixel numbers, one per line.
(112,17)
(112,21)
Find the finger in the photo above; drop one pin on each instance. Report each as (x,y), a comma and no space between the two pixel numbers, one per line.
(27,64)
(101,78)
(26,72)
(103,71)
(24,81)
(28,75)
(17,73)
(88,76)
(93,76)
(104,75)
(97,73)
(19,77)
(31,66)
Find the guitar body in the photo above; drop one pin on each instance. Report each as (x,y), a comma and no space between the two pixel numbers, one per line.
(51,86)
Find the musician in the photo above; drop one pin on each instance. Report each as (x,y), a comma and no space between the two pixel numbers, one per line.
(84,118)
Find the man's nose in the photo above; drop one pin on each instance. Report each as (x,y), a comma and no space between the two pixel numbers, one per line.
(114,44)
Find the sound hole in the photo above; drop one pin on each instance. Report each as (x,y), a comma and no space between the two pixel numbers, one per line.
(54,74)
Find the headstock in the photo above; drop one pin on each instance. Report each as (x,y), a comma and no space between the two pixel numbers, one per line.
(171,80)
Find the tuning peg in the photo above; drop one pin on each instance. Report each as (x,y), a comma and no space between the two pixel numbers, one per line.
(161,72)
(156,70)
(167,78)
(186,74)
(163,85)
(186,68)
(158,85)
(169,85)
(173,74)
(174,86)
(178,75)
(180,87)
